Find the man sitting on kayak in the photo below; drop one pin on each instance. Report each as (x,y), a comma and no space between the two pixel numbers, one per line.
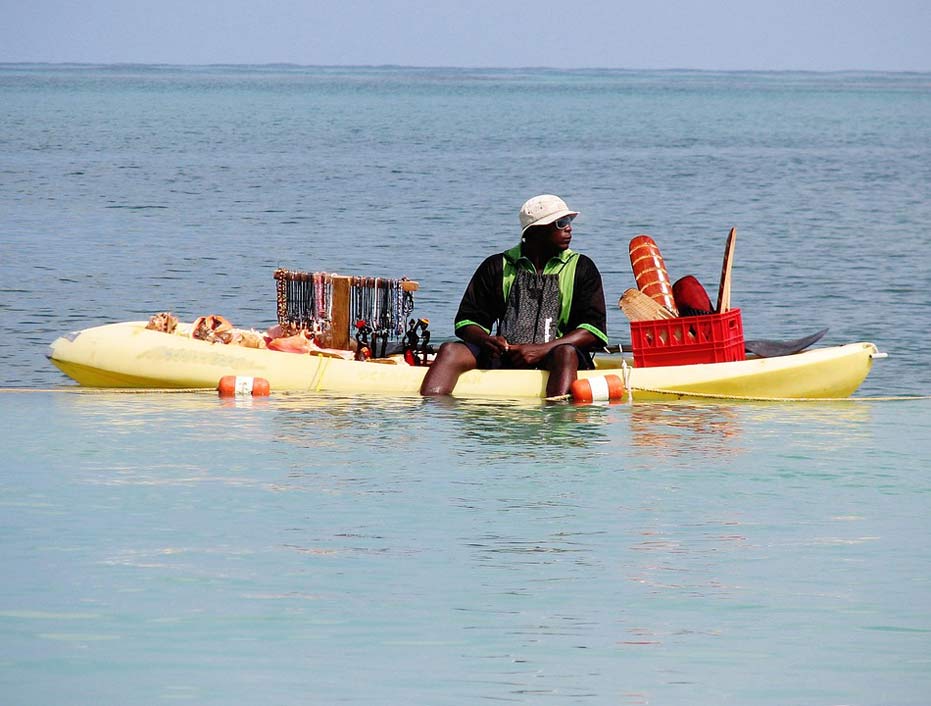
(546,300)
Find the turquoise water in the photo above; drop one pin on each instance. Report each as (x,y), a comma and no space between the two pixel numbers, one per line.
(317,550)
(330,550)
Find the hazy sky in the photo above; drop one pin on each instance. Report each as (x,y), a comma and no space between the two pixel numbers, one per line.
(886,35)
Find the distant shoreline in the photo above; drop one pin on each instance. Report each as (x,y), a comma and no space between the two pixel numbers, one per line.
(277,66)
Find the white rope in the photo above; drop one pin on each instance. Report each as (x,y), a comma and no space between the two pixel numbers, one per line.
(742,398)
(625,371)
(317,381)
(124,390)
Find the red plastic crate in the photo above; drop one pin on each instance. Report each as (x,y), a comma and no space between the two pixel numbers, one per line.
(713,338)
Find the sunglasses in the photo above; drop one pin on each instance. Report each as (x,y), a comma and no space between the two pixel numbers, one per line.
(563,222)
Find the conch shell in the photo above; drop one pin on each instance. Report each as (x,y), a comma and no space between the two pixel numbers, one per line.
(301,342)
(298,343)
(163,321)
(213,329)
(249,339)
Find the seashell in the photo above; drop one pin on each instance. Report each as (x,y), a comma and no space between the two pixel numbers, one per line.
(213,329)
(163,321)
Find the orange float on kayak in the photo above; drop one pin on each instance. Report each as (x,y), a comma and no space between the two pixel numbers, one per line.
(597,389)
(650,271)
(240,386)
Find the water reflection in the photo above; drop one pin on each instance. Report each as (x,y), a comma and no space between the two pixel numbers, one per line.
(307,420)
(489,430)
(715,429)
(495,427)
(683,429)
(527,431)
(846,415)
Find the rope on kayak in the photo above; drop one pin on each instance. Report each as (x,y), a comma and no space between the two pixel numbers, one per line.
(680,394)
(317,381)
(123,390)
(684,395)
(747,398)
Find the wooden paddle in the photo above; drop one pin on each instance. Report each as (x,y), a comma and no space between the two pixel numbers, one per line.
(638,306)
(724,289)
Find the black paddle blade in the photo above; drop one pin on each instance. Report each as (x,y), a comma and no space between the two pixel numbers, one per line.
(762,348)
(774,349)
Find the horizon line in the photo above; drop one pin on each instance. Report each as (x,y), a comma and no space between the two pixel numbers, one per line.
(427,67)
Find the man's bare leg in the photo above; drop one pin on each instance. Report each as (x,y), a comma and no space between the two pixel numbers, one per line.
(452,360)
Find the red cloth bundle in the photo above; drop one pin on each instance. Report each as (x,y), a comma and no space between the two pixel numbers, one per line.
(691,297)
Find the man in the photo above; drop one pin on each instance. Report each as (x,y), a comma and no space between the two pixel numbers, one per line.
(546,300)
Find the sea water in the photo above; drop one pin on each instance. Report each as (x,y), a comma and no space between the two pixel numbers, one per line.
(324,549)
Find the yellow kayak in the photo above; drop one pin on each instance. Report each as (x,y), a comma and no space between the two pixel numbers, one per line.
(128,355)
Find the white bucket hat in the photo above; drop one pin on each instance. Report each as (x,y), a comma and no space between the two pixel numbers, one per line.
(543,210)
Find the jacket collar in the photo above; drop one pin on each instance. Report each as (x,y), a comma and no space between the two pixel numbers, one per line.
(515,254)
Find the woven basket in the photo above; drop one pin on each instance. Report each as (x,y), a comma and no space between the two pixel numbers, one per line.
(638,306)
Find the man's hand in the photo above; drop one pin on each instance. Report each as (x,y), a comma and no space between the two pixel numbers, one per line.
(496,346)
(527,355)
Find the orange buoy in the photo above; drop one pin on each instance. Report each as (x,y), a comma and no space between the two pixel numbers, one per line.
(650,271)
(240,386)
(597,389)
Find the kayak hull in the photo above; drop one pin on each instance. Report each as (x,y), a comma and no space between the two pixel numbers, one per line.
(127,355)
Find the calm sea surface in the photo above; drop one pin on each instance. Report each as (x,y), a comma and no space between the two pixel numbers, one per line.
(318,549)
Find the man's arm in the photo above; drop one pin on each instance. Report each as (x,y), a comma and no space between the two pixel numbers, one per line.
(472,333)
(588,303)
(482,302)
(530,354)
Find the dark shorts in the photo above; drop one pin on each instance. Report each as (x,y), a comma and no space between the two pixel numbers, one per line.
(487,362)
